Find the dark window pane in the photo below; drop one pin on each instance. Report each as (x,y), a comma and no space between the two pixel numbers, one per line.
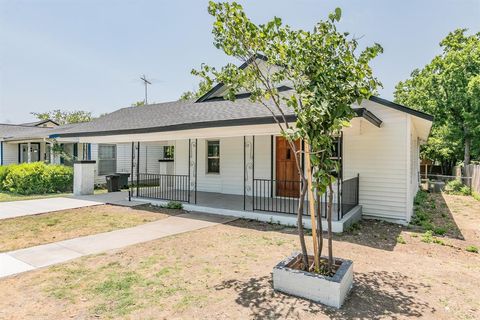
(213,165)
(213,148)
(168,152)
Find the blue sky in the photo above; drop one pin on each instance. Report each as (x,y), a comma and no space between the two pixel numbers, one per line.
(86,54)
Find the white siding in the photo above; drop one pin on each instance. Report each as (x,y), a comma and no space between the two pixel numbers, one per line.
(414,166)
(230,179)
(379,156)
(124,156)
(10,153)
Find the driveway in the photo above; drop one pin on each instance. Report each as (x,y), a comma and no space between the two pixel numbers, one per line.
(15,209)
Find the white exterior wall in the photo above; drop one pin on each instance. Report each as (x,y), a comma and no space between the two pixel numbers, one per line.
(414,166)
(10,153)
(380,156)
(230,179)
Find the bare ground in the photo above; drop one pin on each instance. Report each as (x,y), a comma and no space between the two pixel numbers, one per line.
(224,272)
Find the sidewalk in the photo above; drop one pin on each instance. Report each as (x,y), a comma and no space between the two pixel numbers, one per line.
(13,209)
(22,260)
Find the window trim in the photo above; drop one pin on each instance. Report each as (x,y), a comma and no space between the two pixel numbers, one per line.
(114,159)
(207,157)
(31,144)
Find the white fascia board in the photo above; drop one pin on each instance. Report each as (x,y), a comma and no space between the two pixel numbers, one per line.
(205,133)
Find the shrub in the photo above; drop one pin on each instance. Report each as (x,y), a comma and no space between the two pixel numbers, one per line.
(439,230)
(472,249)
(37,178)
(59,178)
(427,237)
(420,197)
(456,187)
(3,174)
(476,196)
(174,205)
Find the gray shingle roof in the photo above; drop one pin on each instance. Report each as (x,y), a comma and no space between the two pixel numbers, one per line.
(10,131)
(37,123)
(26,132)
(172,116)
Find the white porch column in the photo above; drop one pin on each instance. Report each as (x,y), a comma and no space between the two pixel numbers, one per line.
(29,152)
(52,155)
(83,177)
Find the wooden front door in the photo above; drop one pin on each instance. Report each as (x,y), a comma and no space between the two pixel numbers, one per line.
(287,177)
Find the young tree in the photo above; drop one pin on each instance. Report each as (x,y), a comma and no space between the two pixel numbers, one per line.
(325,73)
(449,88)
(64,117)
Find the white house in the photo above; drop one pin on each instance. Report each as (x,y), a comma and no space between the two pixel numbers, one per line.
(31,142)
(228,157)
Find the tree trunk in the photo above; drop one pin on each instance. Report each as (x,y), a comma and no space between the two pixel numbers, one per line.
(319,225)
(329,223)
(466,156)
(311,207)
(301,233)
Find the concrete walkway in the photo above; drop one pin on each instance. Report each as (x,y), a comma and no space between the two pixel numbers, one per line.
(116,198)
(22,260)
(13,209)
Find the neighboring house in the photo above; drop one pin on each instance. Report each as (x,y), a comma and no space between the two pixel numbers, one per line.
(224,155)
(30,142)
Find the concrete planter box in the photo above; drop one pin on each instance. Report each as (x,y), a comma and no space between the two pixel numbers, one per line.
(330,291)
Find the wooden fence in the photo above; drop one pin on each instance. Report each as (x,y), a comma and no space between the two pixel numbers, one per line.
(471,174)
(473,171)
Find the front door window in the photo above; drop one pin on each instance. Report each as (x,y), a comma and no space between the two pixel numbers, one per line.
(34,152)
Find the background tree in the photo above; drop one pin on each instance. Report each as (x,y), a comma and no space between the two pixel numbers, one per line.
(326,75)
(449,88)
(203,87)
(64,117)
(138,103)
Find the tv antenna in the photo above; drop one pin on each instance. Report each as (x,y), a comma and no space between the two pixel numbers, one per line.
(146,83)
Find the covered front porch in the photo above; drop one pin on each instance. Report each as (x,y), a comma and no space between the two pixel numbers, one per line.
(248,176)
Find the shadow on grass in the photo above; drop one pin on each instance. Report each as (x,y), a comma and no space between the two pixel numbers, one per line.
(375,295)
(372,233)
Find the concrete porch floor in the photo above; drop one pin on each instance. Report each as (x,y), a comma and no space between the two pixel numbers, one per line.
(233,205)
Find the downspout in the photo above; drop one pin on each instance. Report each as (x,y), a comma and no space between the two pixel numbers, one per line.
(1,153)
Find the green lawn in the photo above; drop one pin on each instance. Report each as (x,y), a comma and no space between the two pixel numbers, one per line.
(7,196)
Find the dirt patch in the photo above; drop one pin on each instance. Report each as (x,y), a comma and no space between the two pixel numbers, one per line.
(28,231)
(224,272)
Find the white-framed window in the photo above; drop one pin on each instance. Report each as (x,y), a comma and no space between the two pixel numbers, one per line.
(107,159)
(213,156)
(168,152)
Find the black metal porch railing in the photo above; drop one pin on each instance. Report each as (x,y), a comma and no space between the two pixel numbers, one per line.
(277,196)
(349,195)
(163,186)
(283,197)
